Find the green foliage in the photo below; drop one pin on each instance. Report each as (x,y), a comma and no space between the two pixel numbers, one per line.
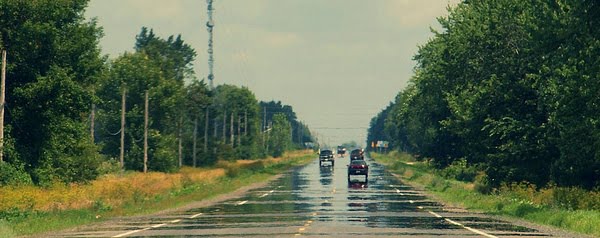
(550,205)
(109,166)
(300,132)
(507,85)
(53,63)
(460,170)
(56,74)
(280,138)
(13,176)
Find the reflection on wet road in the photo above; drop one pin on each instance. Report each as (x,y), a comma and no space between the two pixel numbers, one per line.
(319,201)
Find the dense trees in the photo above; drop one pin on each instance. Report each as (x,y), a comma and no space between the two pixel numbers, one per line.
(300,133)
(510,87)
(57,80)
(54,62)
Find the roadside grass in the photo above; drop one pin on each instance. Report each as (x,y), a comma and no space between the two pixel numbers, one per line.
(33,210)
(518,200)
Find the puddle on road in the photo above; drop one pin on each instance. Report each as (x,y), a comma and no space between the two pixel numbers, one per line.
(322,194)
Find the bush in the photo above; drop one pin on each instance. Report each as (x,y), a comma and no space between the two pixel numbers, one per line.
(576,198)
(482,184)
(13,175)
(460,170)
(256,166)
(111,166)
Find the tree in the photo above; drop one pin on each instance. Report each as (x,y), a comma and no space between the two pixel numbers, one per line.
(280,138)
(53,58)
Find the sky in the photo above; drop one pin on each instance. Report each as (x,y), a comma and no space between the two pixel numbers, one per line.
(336,62)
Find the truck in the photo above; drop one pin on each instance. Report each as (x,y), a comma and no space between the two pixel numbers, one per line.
(326,156)
(357,154)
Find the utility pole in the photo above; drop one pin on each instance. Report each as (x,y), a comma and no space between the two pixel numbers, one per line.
(264,125)
(246,123)
(194,149)
(180,148)
(210,24)
(122,152)
(231,132)
(2,103)
(92,120)
(239,132)
(146,133)
(224,126)
(205,131)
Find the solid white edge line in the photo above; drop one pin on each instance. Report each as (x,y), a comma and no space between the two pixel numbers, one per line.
(242,203)
(157,226)
(196,215)
(136,231)
(435,214)
(470,229)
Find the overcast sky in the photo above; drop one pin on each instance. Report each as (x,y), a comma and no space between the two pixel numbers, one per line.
(336,62)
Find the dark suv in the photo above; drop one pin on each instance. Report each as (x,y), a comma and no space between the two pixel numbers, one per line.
(341,151)
(357,154)
(326,156)
(358,167)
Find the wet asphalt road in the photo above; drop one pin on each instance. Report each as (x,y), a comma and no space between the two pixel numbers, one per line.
(315,201)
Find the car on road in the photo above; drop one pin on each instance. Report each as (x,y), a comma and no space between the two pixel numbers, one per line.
(357,154)
(341,151)
(326,156)
(358,167)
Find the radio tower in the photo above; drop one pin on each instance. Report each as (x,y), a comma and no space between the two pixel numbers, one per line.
(211,60)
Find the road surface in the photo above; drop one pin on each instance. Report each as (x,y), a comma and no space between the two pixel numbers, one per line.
(314,201)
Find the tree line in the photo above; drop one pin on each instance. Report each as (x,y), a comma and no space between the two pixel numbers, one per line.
(509,88)
(72,113)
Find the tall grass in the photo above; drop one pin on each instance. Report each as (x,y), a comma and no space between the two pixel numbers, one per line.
(572,209)
(29,209)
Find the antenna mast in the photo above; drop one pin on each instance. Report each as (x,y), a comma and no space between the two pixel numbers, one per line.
(209,26)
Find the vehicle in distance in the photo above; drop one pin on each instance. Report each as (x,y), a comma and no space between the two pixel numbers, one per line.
(326,156)
(358,167)
(341,151)
(357,154)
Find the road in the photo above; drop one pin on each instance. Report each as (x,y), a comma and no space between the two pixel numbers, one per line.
(319,202)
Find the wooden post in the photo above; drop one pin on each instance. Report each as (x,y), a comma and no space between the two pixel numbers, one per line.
(2,103)
(146,134)
(122,152)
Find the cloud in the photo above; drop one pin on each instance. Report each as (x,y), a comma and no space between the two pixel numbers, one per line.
(416,13)
(152,9)
(282,39)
